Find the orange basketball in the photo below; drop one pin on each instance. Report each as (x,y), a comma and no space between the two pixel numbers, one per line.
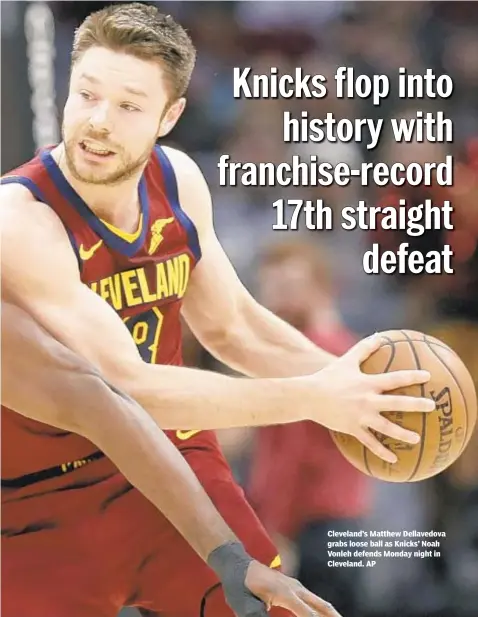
(445,432)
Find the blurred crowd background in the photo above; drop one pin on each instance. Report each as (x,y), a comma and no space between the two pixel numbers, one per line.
(298,483)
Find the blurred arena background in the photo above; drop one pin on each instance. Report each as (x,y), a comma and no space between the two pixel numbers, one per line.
(294,477)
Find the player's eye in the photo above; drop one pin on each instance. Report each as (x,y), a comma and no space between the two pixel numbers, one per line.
(129,107)
(87,96)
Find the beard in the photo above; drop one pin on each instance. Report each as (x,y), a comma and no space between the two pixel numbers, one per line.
(121,167)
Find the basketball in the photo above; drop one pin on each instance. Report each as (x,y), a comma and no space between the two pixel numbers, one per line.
(445,432)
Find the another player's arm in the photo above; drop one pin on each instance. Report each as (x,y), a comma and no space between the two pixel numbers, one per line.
(67,392)
(45,381)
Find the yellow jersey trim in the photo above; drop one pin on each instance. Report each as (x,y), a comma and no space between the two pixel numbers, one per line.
(125,235)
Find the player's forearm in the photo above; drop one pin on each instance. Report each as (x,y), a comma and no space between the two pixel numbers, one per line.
(146,457)
(183,398)
(263,345)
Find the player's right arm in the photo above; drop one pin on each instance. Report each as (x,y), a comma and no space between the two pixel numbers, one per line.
(40,274)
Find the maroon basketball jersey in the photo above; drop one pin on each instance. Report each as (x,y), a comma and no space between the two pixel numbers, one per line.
(143,276)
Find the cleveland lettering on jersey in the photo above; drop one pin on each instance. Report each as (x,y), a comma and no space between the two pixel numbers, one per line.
(155,282)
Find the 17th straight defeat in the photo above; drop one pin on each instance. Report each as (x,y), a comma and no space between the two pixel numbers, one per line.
(414,220)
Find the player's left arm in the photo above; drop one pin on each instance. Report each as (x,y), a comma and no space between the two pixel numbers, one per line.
(220,311)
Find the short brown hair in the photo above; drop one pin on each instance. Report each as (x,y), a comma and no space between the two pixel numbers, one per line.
(144,32)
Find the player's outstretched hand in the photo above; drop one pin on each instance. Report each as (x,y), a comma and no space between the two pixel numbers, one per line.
(354,400)
(276,589)
(251,588)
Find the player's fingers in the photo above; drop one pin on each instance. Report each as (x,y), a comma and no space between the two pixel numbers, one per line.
(396,402)
(295,605)
(373,444)
(320,606)
(390,429)
(400,379)
(362,350)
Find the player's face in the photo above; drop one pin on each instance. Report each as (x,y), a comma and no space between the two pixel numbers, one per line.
(117,107)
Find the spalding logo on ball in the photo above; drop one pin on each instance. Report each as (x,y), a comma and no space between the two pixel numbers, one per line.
(444,433)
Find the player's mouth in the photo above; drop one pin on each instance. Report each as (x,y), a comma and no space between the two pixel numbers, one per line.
(95,150)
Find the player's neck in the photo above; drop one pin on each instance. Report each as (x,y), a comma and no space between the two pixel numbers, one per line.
(117,204)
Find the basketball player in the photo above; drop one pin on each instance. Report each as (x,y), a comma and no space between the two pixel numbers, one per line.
(58,380)
(107,239)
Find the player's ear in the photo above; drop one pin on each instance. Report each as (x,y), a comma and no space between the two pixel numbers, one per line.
(171,116)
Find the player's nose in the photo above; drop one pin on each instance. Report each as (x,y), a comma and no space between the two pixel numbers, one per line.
(101,117)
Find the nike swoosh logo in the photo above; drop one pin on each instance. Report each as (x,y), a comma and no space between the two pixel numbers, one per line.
(184,435)
(86,254)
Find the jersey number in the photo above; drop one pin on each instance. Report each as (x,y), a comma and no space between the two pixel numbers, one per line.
(146,331)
